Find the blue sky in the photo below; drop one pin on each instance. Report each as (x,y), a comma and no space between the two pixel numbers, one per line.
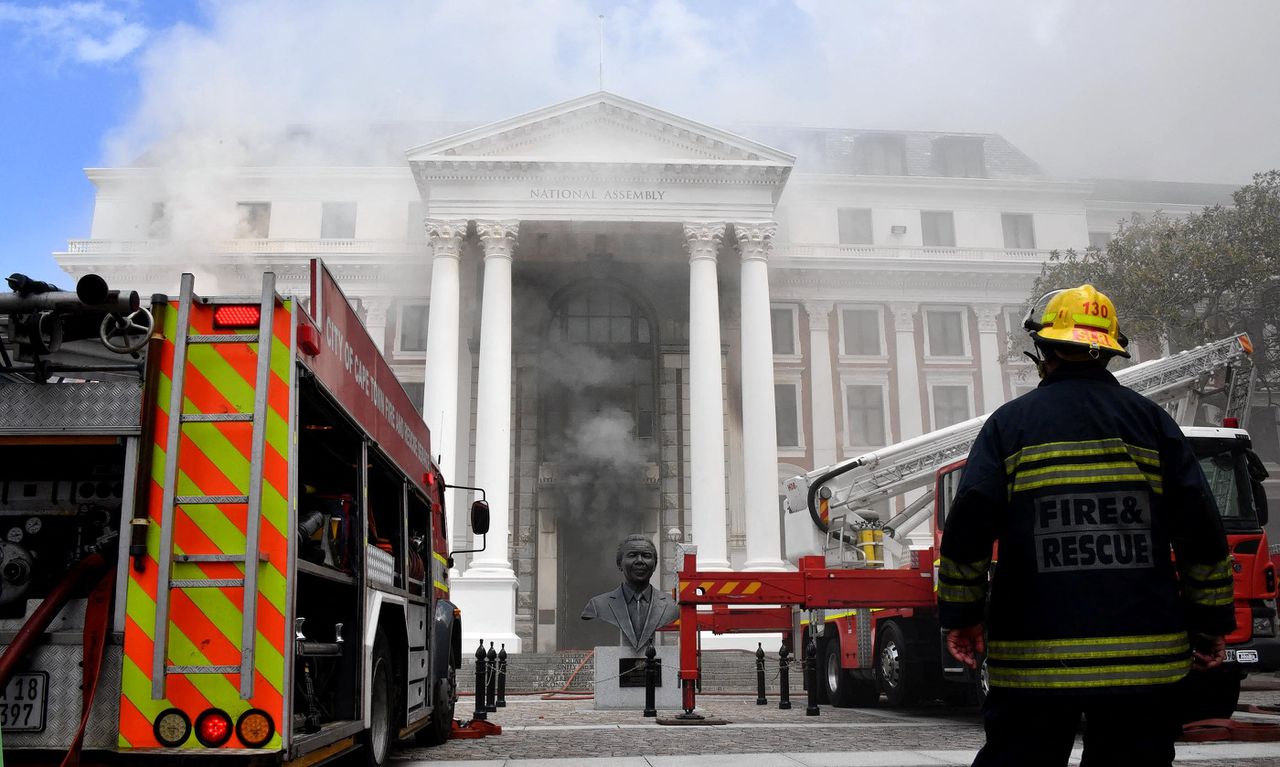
(1164,89)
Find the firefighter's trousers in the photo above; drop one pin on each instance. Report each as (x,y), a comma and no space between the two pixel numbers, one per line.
(1124,729)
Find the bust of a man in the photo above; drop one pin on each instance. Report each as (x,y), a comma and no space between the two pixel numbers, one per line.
(635,607)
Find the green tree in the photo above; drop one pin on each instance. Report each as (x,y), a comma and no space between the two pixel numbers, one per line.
(1178,282)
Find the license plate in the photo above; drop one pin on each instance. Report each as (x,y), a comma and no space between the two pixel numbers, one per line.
(23,703)
(1242,656)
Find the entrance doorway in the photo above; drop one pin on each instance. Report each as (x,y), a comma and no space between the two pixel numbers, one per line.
(597,412)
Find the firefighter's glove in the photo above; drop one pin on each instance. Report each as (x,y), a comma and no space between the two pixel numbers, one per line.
(967,644)
(1207,652)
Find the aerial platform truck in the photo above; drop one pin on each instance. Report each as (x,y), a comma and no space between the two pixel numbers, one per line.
(223,533)
(867,599)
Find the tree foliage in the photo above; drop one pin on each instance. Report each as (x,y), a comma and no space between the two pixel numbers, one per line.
(1177,282)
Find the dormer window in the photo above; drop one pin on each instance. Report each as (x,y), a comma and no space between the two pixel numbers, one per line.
(880,154)
(959,156)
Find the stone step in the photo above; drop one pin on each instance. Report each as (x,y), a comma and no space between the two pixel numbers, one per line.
(574,670)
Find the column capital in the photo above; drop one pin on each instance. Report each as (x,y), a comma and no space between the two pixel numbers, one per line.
(755,239)
(497,238)
(988,317)
(819,314)
(445,236)
(703,239)
(904,317)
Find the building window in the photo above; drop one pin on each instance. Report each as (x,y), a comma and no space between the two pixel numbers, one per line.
(416,226)
(1019,231)
(338,221)
(411,329)
(861,333)
(865,415)
(938,227)
(158,225)
(880,154)
(783,322)
(1099,240)
(950,404)
(959,156)
(416,392)
(253,220)
(945,333)
(855,226)
(786,400)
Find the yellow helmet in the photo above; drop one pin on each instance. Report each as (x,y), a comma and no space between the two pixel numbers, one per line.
(1078,318)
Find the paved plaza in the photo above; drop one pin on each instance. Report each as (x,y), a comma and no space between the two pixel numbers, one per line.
(550,733)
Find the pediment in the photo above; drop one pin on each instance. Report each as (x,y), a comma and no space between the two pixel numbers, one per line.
(600,128)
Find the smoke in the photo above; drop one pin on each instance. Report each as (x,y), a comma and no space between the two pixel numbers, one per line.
(1147,89)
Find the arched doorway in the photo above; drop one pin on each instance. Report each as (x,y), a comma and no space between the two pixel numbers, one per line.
(597,446)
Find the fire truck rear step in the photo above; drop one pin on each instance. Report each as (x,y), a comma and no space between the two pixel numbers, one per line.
(166,583)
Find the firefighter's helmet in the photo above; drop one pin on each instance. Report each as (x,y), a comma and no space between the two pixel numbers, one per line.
(1077,319)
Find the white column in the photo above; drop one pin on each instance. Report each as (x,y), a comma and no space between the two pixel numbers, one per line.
(440,390)
(910,421)
(706,397)
(487,593)
(822,397)
(375,320)
(759,419)
(989,355)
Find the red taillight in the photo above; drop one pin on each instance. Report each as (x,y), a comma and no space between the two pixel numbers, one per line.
(237,316)
(430,478)
(1231,422)
(308,339)
(213,728)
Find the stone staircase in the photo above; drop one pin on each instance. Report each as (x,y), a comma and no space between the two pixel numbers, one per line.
(722,671)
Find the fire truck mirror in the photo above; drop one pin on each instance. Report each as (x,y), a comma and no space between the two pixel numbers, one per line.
(480,517)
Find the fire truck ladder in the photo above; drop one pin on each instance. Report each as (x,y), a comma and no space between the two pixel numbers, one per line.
(913,463)
(166,583)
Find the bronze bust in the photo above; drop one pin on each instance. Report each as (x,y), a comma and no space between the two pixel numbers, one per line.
(635,607)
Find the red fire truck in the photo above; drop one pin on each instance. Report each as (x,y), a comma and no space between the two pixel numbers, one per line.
(226,539)
(873,621)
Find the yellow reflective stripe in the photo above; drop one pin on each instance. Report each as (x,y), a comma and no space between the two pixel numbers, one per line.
(1089,676)
(1154,482)
(728,587)
(949,568)
(1214,572)
(1089,647)
(1211,597)
(1091,321)
(441,586)
(442,559)
(1073,449)
(752,587)
(962,594)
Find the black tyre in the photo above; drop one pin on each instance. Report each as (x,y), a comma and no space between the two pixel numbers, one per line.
(897,670)
(1209,695)
(378,738)
(440,726)
(843,689)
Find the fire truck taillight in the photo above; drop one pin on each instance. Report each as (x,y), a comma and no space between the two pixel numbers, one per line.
(1231,422)
(171,728)
(237,316)
(308,339)
(255,728)
(213,728)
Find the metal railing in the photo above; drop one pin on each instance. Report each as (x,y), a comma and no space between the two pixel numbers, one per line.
(826,251)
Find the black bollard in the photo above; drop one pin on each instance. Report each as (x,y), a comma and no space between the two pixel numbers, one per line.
(481,659)
(760,700)
(811,675)
(492,671)
(784,678)
(502,677)
(650,682)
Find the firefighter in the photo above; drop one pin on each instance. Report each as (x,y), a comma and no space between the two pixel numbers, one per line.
(1085,486)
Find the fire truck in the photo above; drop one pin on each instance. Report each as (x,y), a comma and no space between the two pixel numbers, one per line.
(223,531)
(870,595)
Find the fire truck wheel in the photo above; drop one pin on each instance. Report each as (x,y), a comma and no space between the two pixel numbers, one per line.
(843,689)
(1209,695)
(378,737)
(897,670)
(440,726)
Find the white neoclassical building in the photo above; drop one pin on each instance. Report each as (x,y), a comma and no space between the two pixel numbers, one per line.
(618,320)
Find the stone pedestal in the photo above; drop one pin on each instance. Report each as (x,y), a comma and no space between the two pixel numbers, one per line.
(611,695)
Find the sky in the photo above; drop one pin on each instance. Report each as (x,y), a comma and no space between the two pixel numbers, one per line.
(1142,89)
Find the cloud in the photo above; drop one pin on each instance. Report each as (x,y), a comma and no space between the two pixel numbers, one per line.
(1144,88)
(88,33)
